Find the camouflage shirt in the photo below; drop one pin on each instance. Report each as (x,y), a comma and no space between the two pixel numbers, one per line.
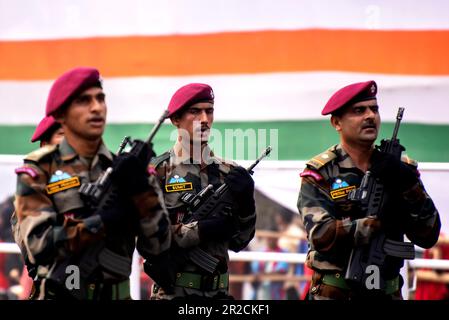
(177,175)
(335,225)
(52,224)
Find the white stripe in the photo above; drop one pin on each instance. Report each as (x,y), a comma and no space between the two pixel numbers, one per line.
(49,19)
(265,97)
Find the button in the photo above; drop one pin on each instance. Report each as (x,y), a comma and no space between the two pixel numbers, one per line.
(178,275)
(337,275)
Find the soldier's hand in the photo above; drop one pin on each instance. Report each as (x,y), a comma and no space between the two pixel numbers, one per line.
(392,172)
(114,216)
(147,152)
(130,173)
(240,182)
(241,185)
(365,228)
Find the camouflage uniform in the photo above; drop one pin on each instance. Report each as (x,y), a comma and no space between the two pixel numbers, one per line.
(54,228)
(178,176)
(334,225)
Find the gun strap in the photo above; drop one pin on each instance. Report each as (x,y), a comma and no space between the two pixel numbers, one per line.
(203,259)
(115,263)
(399,249)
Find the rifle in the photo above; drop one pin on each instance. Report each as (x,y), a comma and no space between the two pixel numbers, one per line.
(209,203)
(372,199)
(103,192)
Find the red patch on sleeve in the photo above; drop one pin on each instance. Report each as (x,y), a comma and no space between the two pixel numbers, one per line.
(310,173)
(30,171)
(152,171)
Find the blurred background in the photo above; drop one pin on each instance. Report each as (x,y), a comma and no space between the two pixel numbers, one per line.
(272,64)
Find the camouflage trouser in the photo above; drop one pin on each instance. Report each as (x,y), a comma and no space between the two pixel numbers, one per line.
(321,291)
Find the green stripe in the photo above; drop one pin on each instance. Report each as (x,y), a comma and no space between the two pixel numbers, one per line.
(297,140)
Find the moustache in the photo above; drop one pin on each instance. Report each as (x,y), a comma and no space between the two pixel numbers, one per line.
(96,118)
(370,125)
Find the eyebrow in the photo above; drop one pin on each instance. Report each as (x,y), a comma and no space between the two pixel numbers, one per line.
(196,108)
(372,106)
(89,95)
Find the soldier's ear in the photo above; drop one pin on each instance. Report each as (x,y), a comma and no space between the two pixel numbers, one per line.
(175,120)
(59,116)
(336,122)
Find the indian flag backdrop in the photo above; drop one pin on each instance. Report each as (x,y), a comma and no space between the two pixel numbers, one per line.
(272,64)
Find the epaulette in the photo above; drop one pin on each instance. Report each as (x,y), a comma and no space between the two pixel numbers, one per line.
(321,160)
(409,161)
(156,161)
(40,153)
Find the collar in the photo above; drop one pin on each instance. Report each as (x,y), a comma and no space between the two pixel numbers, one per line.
(68,153)
(180,153)
(103,151)
(66,150)
(343,158)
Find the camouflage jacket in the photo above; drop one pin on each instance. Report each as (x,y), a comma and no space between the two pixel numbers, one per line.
(335,225)
(178,175)
(53,226)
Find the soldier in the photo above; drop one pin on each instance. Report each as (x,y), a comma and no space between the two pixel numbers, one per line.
(76,252)
(48,131)
(188,167)
(335,224)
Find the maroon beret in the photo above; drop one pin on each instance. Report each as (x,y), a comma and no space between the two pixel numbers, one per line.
(353,93)
(188,95)
(44,127)
(68,85)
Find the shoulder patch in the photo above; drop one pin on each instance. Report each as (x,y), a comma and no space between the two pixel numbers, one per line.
(28,170)
(40,153)
(151,170)
(322,159)
(310,173)
(156,161)
(409,161)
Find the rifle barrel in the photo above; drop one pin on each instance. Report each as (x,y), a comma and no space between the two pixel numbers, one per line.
(156,127)
(398,122)
(263,155)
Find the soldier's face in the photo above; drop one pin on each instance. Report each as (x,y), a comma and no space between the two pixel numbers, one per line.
(359,123)
(196,122)
(85,117)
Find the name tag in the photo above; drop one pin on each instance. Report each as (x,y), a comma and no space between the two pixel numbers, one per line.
(176,187)
(342,192)
(63,185)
